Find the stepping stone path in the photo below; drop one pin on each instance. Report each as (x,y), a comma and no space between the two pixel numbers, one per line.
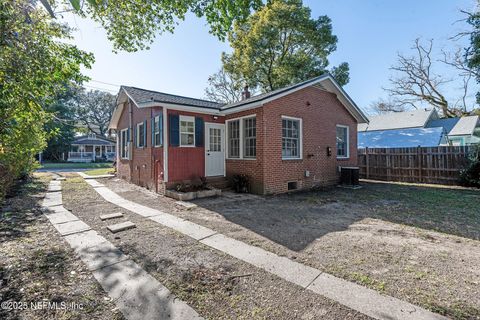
(114,228)
(186,205)
(359,298)
(137,294)
(111,216)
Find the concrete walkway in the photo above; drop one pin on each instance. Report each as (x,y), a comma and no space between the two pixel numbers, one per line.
(137,294)
(86,176)
(354,296)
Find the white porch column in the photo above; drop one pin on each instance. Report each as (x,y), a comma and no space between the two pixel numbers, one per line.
(93,154)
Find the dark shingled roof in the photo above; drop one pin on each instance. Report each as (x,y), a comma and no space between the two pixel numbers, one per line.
(142,96)
(267,95)
(99,141)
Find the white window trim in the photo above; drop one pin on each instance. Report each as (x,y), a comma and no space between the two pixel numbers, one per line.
(137,135)
(241,137)
(156,122)
(121,144)
(348,141)
(300,120)
(187,119)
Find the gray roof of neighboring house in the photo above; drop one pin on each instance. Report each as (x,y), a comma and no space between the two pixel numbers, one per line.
(401,138)
(142,95)
(397,120)
(465,126)
(99,141)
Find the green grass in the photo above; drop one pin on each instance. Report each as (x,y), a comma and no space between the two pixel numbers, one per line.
(453,211)
(96,172)
(75,165)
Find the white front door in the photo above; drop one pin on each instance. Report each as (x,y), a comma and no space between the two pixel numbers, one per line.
(214,149)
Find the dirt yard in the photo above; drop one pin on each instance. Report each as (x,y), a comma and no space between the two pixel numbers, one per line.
(418,244)
(37,266)
(216,285)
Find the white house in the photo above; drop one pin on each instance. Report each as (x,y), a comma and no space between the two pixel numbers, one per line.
(91,148)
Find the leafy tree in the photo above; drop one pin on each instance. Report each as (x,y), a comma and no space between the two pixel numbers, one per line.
(62,124)
(35,66)
(133,24)
(281,44)
(94,110)
(472,53)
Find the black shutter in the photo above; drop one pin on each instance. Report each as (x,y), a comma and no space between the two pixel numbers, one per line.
(174,130)
(198,132)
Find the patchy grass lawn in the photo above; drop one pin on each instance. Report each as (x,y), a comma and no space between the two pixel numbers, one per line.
(97,172)
(75,165)
(37,265)
(418,244)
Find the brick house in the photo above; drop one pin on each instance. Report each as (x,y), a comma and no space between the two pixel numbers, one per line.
(291,138)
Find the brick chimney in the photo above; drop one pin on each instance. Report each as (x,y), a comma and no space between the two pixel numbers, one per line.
(245,93)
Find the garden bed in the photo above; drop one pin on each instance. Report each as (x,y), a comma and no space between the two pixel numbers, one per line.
(191,195)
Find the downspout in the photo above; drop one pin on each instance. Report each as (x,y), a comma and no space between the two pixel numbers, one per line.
(130,147)
(165,145)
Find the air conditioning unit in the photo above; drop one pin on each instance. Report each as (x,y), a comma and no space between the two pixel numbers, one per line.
(349,176)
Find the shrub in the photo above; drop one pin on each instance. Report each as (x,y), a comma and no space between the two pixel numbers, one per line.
(241,183)
(470,176)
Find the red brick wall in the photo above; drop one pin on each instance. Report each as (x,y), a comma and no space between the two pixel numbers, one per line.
(320,112)
(253,168)
(140,170)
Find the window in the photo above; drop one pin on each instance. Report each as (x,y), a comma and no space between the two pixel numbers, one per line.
(250,137)
(140,135)
(291,138)
(157,134)
(242,138)
(342,142)
(215,140)
(187,131)
(124,144)
(234,139)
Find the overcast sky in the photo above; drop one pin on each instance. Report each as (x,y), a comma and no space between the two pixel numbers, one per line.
(370,34)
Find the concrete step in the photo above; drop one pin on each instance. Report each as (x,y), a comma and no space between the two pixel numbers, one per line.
(114,228)
(218,182)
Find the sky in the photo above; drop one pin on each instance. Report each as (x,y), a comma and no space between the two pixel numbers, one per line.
(370,35)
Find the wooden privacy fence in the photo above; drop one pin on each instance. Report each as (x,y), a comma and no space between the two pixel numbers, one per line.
(440,165)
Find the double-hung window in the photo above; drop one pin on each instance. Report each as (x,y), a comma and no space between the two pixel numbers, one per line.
(250,137)
(242,138)
(157,135)
(124,143)
(342,142)
(141,135)
(233,129)
(187,131)
(291,138)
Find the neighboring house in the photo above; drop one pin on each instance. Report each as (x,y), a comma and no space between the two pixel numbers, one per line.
(292,138)
(91,148)
(414,128)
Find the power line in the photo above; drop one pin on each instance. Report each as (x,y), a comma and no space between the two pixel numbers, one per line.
(102,82)
(98,88)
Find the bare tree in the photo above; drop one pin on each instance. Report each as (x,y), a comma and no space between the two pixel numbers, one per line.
(458,61)
(416,82)
(383,106)
(224,88)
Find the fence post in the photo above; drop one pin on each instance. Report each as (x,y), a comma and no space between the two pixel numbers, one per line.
(420,163)
(367,164)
